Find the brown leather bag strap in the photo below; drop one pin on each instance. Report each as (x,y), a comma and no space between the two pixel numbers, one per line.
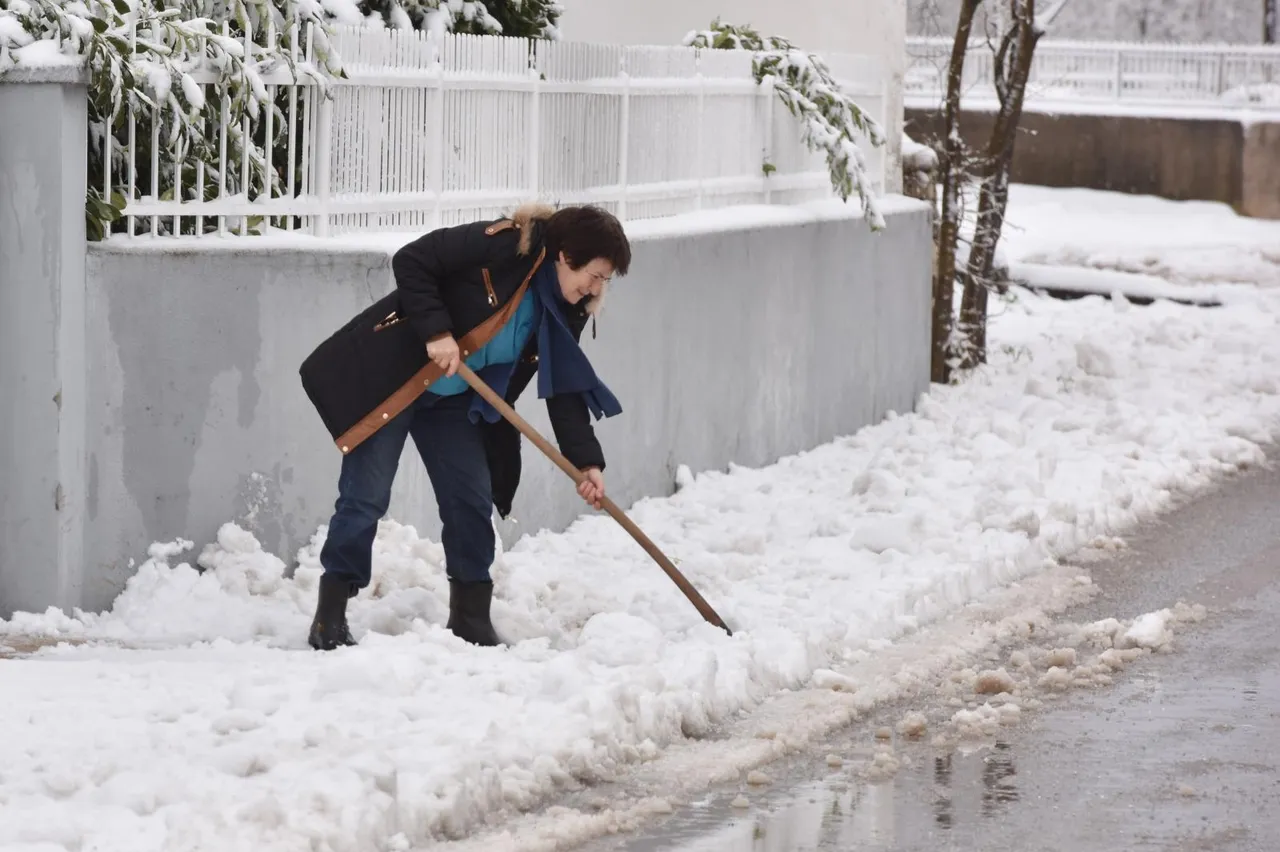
(405,395)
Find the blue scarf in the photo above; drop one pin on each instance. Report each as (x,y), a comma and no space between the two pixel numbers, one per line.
(562,365)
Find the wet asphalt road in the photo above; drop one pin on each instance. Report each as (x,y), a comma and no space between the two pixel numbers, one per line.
(1181,753)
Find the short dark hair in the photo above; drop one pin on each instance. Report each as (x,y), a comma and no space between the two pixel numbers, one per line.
(586,232)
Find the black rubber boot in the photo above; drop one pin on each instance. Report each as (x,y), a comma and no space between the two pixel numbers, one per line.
(329,627)
(469,613)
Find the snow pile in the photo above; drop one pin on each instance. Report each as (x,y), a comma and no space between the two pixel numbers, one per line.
(192,714)
(1254,94)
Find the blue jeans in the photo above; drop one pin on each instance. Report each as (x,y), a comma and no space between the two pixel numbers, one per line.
(452,448)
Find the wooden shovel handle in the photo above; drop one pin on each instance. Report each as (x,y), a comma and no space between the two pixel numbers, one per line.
(608,505)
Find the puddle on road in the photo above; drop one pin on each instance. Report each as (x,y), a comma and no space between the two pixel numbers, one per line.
(934,795)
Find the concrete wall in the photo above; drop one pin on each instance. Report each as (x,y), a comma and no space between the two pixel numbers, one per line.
(197,415)
(873,27)
(1260,170)
(733,345)
(1186,159)
(42,277)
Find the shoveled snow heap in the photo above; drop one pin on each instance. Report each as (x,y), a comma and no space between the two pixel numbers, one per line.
(192,716)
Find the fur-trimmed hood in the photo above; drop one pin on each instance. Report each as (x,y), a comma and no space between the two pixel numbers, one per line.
(526,214)
(535,211)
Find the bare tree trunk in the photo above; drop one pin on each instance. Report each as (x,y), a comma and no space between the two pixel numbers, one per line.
(1270,22)
(1012,68)
(951,173)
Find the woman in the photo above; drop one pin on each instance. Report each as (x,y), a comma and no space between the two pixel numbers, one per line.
(510,297)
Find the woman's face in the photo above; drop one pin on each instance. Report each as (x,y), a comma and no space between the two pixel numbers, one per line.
(589,280)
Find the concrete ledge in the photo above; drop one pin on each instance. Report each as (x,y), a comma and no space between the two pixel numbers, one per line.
(1235,161)
(69,72)
(742,217)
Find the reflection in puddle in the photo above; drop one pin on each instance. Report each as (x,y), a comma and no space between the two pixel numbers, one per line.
(844,814)
(816,818)
(997,780)
(942,802)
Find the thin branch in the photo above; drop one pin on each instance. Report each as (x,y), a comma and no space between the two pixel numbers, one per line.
(831,121)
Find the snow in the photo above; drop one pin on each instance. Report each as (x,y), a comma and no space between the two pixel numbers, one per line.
(715,220)
(1180,243)
(1107,282)
(1258,94)
(21,51)
(994,682)
(192,715)
(917,156)
(1061,657)
(1245,106)
(913,725)
(12,31)
(1150,630)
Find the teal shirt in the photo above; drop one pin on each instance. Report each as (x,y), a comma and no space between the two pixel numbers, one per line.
(505,348)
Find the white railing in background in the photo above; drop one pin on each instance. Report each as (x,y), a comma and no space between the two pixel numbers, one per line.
(427,132)
(1228,76)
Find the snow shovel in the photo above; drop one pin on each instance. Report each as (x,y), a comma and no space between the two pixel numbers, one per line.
(608,505)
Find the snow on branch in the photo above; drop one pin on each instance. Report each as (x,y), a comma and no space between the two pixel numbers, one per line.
(196,69)
(829,118)
(152,62)
(516,18)
(463,16)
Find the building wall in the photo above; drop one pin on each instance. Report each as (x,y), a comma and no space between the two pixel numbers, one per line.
(872,27)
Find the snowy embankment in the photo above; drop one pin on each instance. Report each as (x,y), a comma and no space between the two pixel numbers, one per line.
(194,717)
(1200,245)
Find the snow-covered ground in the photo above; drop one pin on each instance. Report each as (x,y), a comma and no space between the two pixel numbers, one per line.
(1186,243)
(192,715)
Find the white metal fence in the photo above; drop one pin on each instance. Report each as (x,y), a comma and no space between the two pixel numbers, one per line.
(427,132)
(1199,75)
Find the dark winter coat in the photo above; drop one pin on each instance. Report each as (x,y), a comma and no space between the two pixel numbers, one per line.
(457,280)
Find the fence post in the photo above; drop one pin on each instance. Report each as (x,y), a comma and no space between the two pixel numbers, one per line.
(769,94)
(535,132)
(1118,80)
(318,118)
(323,155)
(700,152)
(437,118)
(624,137)
(324,143)
(892,131)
